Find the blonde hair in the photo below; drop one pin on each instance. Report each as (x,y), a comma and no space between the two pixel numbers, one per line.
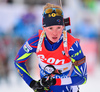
(49,5)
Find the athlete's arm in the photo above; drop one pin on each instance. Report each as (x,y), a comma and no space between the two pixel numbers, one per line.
(24,53)
(80,71)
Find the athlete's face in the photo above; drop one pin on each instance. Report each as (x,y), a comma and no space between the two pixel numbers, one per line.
(53,32)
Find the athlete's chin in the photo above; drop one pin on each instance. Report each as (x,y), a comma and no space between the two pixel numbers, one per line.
(54,40)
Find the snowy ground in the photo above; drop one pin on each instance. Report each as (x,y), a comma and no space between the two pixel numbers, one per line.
(18,85)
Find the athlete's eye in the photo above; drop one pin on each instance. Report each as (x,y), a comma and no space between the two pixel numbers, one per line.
(58,27)
(50,28)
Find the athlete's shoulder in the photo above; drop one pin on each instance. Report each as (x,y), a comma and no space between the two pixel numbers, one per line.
(33,40)
(31,44)
(71,38)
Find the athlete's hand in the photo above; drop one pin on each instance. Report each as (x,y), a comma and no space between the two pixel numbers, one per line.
(47,82)
(37,87)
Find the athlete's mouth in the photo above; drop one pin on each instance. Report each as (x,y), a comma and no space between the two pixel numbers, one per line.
(54,38)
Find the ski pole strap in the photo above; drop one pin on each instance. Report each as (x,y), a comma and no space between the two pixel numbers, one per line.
(52,70)
(79,62)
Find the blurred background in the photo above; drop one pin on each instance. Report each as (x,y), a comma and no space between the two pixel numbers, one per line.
(20,19)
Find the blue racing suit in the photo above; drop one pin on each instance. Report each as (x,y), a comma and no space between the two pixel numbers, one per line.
(77,77)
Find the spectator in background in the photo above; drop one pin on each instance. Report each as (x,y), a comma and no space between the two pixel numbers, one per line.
(98,48)
(89,4)
(4,68)
(25,26)
(85,28)
(98,40)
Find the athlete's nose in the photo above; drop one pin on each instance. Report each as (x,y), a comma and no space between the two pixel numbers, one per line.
(54,32)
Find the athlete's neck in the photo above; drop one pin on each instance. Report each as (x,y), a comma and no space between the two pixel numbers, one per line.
(50,41)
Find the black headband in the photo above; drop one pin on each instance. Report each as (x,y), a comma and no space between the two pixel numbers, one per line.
(52,19)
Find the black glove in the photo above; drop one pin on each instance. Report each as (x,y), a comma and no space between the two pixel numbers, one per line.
(47,82)
(37,87)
